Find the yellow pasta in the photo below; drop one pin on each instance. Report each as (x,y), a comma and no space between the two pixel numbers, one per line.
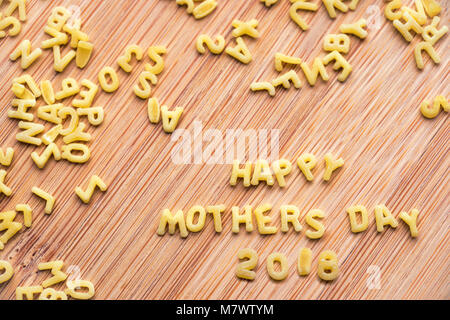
(30,130)
(88,96)
(281,168)
(28,80)
(69,87)
(167,219)
(76,35)
(6,157)
(318,68)
(431,33)
(269,3)
(216,211)
(286,79)
(240,52)
(189,5)
(238,218)
(60,63)
(87,289)
(74,120)
(332,5)
(428,48)
(411,221)
(155,53)
(355,226)
(8,271)
(83,54)
(153,110)
(384,217)
(304,262)
(262,172)
(28,292)
(389,11)
(331,164)
(216,46)
(55,268)
(41,160)
(301,5)
(49,113)
(78,135)
(58,38)
(248,28)
(340,62)
(19,5)
(143,90)
(352,5)
(49,199)
(21,92)
(104,84)
(58,18)
(313,223)
(244,173)
(405,28)
(3,187)
(284,269)
(170,118)
(190,216)
(328,268)
(12,23)
(95,115)
(244,268)
(51,135)
(418,14)
(290,214)
(94,182)
(8,225)
(69,155)
(262,220)
(124,61)
(306,162)
(21,112)
(431,111)
(259,86)
(24,51)
(432,7)
(338,42)
(47,92)
(27,214)
(282,58)
(204,9)
(52,294)
(356,29)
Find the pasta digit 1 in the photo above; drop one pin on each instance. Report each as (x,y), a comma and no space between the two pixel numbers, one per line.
(6,157)
(108,87)
(153,110)
(84,51)
(428,48)
(69,87)
(330,5)
(68,153)
(55,268)
(73,286)
(306,162)
(356,28)
(27,292)
(384,217)
(172,221)
(282,260)
(244,268)
(204,9)
(8,271)
(94,182)
(124,61)
(262,220)
(95,115)
(304,261)
(238,218)
(240,52)
(27,214)
(301,5)
(3,187)
(331,164)
(328,268)
(24,51)
(355,226)
(216,46)
(290,214)
(313,223)
(170,118)
(47,92)
(49,199)
(244,173)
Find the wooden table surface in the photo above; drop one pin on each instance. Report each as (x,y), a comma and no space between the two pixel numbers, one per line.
(393,155)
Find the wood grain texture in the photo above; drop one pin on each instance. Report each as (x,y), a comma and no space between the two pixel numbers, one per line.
(392,155)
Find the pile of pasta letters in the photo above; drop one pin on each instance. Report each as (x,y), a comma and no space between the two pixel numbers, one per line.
(67,126)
